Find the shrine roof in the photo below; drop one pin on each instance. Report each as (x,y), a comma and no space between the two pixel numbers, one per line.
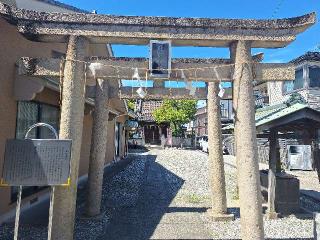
(308,56)
(147,108)
(285,118)
(43,26)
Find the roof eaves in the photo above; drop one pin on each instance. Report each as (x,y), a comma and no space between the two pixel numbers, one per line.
(308,56)
(63,5)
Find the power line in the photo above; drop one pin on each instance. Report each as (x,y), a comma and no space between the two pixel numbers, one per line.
(277,9)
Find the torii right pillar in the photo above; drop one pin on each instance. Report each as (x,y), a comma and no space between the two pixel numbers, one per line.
(245,134)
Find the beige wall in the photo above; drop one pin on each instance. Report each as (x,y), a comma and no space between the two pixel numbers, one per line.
(13,46)
(110,142)
(276,95)
(122,120)
(39,6)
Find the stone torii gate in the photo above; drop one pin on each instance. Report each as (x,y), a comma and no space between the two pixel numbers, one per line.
(77,30)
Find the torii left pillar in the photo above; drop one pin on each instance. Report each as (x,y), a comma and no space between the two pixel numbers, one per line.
(98,149)
(216,164)
(71,124)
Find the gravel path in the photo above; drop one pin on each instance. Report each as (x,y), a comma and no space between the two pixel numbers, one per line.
(174,197)
(164,194)
(192,167)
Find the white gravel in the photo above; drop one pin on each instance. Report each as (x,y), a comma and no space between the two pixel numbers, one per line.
(192,167)
(187,176)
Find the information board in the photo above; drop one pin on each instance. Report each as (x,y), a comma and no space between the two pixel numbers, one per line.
(36,162)
(160,58)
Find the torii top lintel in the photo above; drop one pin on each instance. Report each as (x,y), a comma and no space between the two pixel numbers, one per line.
(56,27)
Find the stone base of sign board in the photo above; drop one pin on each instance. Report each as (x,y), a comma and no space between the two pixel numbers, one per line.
(287,199)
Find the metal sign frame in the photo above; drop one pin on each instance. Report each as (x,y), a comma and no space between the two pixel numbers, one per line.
(36,162)
(18,207)
(159,72)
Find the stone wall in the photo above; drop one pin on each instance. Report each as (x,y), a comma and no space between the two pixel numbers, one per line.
(184,142)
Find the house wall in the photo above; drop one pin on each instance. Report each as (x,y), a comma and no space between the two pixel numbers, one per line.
(13,46)
(313,98)
(122,120)
(110,142)
(201,124)
(311,95)
(275,93)
(39,6)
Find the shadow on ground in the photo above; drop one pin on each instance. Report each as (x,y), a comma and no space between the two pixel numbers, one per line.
(140,220)
(34,221)
(137,149)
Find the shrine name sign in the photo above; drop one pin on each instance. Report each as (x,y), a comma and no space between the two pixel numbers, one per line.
(36,162)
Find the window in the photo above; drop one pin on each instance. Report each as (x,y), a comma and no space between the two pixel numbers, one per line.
(32,112)
(298,83)
(299,80)
(288,86)
(29,113)
(314,76)
(226,108)
(48,114)
(26,116)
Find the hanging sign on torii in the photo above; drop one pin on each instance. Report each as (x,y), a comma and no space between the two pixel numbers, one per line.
(160,58)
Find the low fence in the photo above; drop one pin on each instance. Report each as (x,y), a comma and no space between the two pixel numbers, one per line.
(181,142)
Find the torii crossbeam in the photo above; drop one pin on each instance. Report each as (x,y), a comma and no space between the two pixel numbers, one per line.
(194,69)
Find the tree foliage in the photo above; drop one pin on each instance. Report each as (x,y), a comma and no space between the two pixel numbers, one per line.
(131,104)
(177,113)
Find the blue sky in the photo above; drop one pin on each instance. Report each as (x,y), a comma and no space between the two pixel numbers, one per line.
(256,9)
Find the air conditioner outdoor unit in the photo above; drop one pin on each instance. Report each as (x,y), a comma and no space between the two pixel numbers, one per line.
(299,157)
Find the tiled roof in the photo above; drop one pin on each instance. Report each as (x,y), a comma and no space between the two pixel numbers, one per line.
(147,109)
(271,113)
(308,56)
(264,117)
(201,110)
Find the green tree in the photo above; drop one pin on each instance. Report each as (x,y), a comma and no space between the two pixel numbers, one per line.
(177,113)
(131,104)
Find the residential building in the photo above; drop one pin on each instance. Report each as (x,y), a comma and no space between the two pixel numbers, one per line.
(201,119)
(25,101)
(151,131)
(306,82)
(288,105)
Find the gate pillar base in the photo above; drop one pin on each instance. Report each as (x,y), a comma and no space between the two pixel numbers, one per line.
(224,217)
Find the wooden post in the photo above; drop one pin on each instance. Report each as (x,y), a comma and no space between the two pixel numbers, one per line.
(71,125)
(272,214)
